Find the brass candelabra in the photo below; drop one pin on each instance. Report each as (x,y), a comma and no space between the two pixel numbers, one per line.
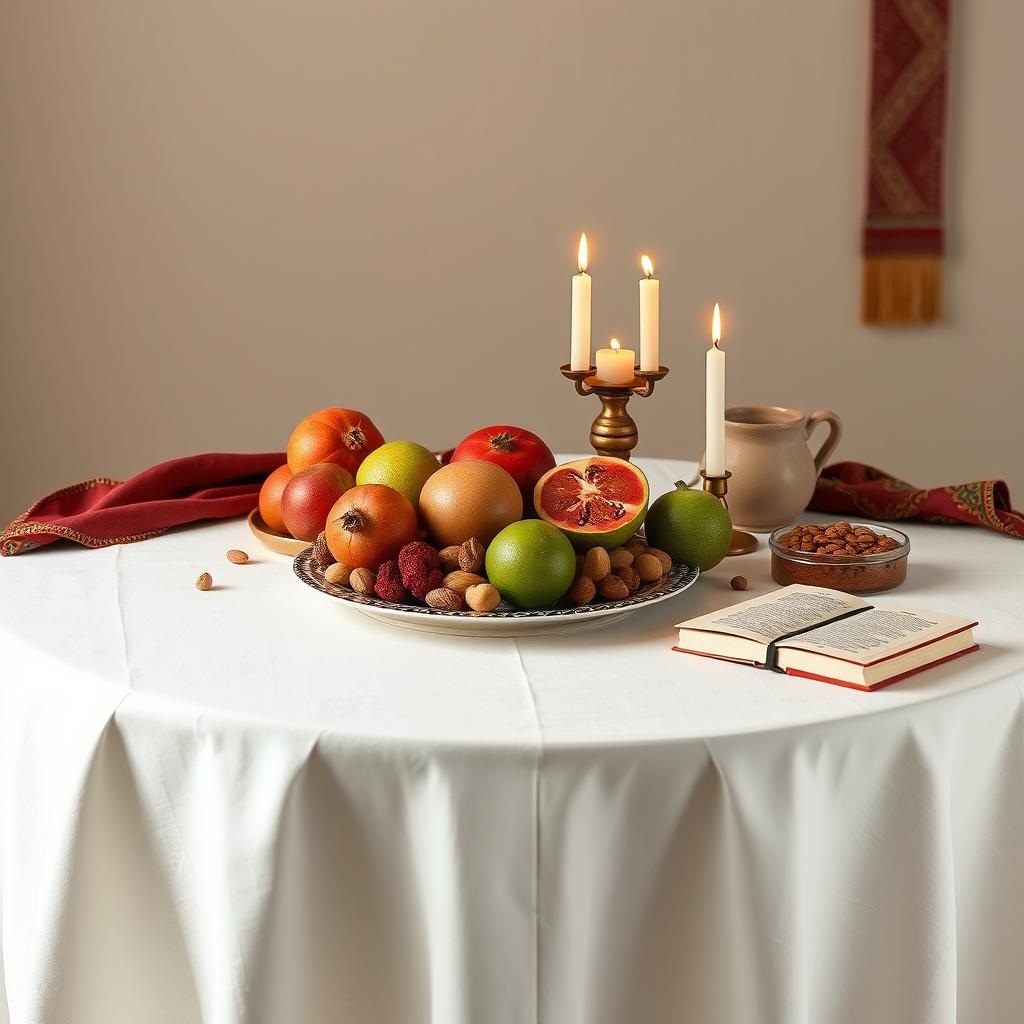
(742,543)
(613,433)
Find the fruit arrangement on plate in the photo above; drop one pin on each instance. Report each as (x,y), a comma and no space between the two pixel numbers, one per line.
(500,528)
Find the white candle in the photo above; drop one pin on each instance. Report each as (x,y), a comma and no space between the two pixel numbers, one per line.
(714,404)
(649,310)
(579,350)
(615,365)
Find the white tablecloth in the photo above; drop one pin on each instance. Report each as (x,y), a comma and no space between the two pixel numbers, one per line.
(255,804)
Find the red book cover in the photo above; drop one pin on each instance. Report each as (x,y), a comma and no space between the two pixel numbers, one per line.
(844,682)
(884,682)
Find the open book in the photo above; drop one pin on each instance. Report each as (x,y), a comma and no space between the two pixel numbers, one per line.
(827,635)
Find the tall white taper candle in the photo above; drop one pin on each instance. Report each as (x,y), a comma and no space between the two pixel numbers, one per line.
(714,443)
(649,315)
(579,352)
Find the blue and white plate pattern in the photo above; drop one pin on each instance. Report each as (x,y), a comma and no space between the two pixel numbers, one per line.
(504,620)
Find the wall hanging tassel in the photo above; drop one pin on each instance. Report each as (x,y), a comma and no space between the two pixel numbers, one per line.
(903,233)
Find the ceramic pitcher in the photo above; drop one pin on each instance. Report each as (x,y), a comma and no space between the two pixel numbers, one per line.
(773,471)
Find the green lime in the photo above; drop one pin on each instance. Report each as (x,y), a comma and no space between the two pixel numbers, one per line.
(402,465)
(692,526)
(531,563)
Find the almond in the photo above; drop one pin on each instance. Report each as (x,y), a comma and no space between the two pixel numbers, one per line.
(461,581)
(237,557)
(471,555)
(661,556)
(648,567)
(620,558)
(630,577)
(361,581)
(483,597)
(449,557)
(583,590)
(596,564)
(613,588)
(338,575)
(445,599)
(204,581)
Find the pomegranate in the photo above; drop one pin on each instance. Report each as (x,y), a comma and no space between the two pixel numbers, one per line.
(522,454)
(342,436)
(369,525)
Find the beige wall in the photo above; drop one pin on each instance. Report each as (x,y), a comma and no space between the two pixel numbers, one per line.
(216,216)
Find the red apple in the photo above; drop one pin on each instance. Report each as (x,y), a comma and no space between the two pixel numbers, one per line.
(309,496)
(519,452)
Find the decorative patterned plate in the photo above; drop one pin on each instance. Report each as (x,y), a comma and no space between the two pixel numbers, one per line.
(504,620)
(279,542)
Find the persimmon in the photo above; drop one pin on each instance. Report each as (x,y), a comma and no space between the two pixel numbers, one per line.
(342,436)
(270,498)
(370,524)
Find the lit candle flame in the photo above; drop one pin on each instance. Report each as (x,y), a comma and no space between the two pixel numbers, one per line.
(615,344)
(582,257)
(716,326)
(645,262)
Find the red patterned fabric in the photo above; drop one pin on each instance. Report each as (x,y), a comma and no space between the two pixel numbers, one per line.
(851,488)
(100,512)
(907,127)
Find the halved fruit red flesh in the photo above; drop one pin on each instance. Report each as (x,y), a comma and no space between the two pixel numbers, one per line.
(594,501)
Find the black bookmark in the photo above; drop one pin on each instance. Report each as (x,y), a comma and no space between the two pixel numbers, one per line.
(772,655)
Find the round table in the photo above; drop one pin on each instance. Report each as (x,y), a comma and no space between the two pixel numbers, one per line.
(255,804)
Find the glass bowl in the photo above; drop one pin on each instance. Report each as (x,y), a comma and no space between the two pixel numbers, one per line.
(853,574)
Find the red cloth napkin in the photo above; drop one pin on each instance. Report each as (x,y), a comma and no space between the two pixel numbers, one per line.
(100,512)
(848,488)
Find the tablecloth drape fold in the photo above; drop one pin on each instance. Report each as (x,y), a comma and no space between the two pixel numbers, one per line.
(807,874)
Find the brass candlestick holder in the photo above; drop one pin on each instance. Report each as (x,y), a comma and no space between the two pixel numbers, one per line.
(614,432)
(742,543)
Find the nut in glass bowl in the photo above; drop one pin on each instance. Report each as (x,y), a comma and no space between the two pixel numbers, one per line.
(855,573)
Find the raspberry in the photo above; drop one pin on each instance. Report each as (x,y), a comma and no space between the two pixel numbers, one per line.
(418,563)
(388,583)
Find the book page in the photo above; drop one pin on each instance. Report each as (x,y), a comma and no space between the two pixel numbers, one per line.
(876,634)
(764,619)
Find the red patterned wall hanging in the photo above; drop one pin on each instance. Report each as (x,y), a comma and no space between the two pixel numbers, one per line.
(903,232)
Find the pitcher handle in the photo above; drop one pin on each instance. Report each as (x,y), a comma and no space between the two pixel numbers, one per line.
(835,432)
